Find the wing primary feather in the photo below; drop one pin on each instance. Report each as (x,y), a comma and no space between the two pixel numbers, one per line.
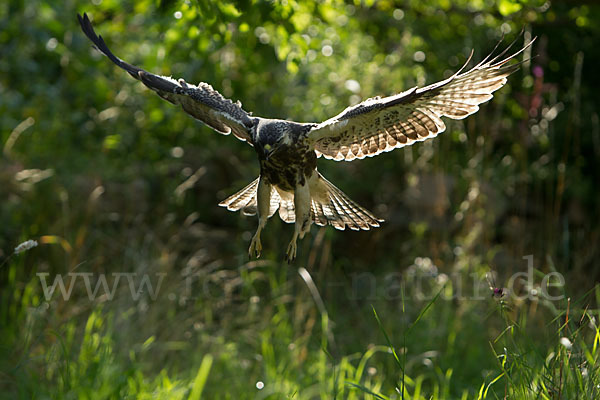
(98,41)
(202,102)
(414,115)
(493,60)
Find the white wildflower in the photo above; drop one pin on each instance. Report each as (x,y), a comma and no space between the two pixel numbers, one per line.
(592,323)
(566,342)
(28,245)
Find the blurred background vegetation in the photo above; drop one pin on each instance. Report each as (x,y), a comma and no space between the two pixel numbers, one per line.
(109,179)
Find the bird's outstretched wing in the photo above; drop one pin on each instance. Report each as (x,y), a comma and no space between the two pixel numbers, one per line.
(383,124)
(201,102)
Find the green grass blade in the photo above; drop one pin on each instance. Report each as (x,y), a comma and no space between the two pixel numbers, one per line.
(201,377)
(387,338)
(491,383)
(424,310)
(366,390)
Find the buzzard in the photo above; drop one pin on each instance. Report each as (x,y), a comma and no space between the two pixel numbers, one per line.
(288,151)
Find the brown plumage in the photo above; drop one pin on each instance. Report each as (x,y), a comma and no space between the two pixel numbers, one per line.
(383,124)
(329,205)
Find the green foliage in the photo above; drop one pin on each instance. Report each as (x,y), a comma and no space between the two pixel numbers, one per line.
(111,179)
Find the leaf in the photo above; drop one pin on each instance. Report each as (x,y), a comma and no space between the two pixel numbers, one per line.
(507,7)
(229,10)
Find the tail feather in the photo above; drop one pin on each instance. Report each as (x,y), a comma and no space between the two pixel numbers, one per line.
(329,205)
(348,217)
(286,207)
(275,202)
(361,216)
(245,200)
(318,214)
(333,217)
(338,209)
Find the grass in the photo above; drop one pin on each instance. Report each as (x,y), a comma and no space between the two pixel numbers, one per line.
(285,343)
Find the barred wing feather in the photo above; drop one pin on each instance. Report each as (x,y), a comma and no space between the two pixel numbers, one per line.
(382,124)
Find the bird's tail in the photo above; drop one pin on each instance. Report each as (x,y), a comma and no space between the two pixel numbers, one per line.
(329,205)
(245,200)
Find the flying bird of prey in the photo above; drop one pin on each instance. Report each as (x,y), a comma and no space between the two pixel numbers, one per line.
(288,151)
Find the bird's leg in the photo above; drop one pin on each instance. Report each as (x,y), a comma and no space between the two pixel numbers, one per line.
(263,202)
(291,250)
(303,220)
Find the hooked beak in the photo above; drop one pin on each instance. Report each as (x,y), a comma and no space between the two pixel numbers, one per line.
(269,150)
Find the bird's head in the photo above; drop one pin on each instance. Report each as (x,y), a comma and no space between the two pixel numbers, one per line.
(271,137)
(268,149)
